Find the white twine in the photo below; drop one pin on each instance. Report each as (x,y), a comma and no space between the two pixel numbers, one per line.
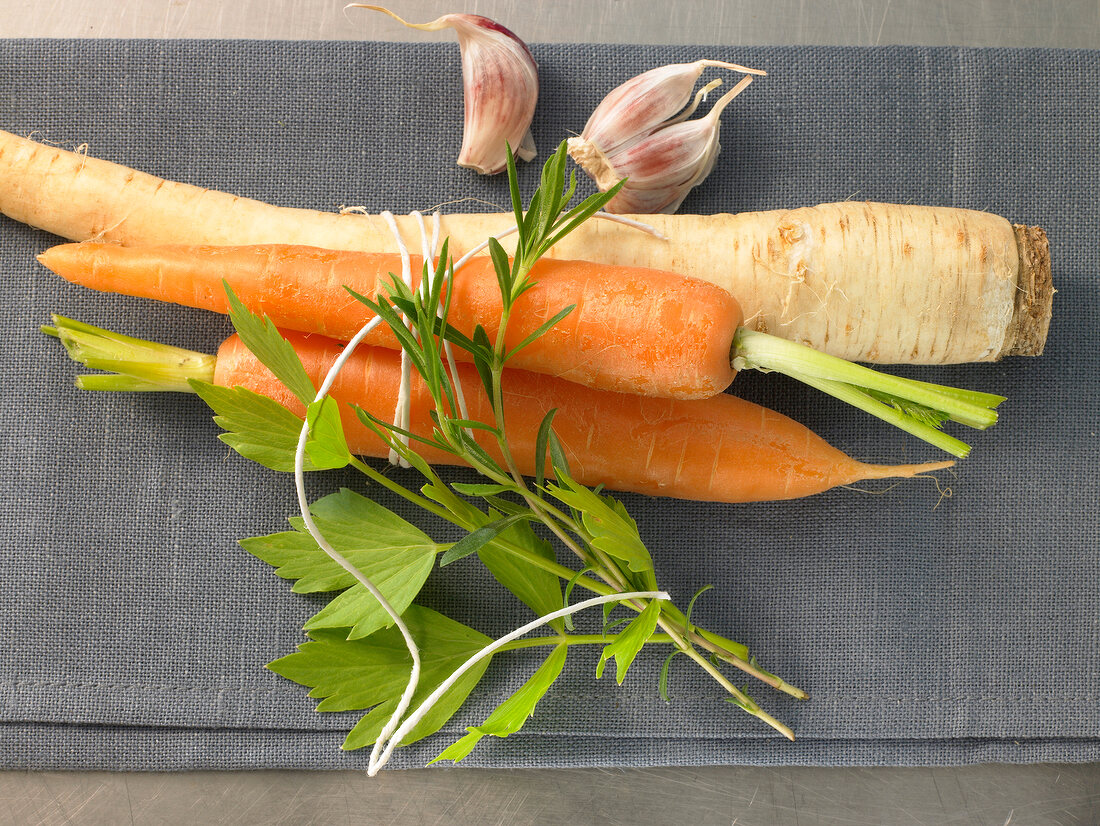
(488,650)
(336,556)
(389,738)
(401,414)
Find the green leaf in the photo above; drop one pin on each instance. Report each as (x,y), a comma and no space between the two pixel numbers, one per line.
(662,679)
(629,642)
(474,540)
(506,507)
(513,188)
(387,431)
(610,528)
(541,440)
(479,453)
(326,447)
(481,490)
(541,330)
(373,671)
(258,428)
(535,587)
(691,605)
(509,716)
(472,424)
(569,586)
(557,455)
(483,360)
(463,510)
(393,554)
(502,267)
(268,345)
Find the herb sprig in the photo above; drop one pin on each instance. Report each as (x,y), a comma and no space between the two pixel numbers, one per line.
(355,657)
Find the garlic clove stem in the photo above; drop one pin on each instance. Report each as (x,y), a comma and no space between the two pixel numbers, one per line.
(700,96)
(500,89)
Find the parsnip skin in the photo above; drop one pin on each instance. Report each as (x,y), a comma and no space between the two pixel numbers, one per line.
(868,282)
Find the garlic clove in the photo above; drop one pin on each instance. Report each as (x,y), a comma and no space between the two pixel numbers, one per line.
(668,157)
(500,89)
(643,103)
(664,166)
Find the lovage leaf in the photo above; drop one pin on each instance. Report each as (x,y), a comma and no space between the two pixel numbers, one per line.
(327,447)
(509,716)
(606,520)
(268,345)
(258,428)
(393,554)
(537,588)
(372,672)
(629,642)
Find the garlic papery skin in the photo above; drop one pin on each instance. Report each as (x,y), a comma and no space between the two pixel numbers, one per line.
(647,201)
(500,89)
(646,102)
(661,169)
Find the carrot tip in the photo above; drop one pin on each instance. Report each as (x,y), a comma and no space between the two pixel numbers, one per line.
(904,471)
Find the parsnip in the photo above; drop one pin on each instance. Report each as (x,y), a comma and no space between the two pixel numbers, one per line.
(867,282)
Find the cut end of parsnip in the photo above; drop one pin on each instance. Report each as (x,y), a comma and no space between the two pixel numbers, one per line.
(1027,333)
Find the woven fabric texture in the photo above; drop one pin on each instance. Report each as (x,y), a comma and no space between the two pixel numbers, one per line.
(928,629)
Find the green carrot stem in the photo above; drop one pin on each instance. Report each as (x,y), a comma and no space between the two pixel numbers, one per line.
(914,406)
(135,365)
(892,415)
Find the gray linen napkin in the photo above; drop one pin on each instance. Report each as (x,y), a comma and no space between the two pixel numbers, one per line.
(133,630)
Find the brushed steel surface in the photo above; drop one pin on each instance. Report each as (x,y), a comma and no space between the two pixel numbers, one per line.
(977,796)
(1054,23)
(994,795)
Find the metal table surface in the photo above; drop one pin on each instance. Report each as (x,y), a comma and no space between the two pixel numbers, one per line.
(994,794)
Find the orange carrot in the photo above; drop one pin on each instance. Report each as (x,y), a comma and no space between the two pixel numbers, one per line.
(720,449)
(633,330)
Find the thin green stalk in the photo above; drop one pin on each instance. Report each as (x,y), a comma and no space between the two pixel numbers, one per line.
(914,406)
(889,414)
(578,639)
(740,698)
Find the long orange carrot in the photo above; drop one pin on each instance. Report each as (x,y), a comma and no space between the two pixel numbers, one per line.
(720,449)
(633,330)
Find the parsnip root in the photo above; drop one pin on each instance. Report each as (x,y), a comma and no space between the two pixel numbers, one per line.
(867,282)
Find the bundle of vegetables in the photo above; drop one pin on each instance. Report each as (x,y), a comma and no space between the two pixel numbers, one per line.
(597,529)
(348,543)
(866,282)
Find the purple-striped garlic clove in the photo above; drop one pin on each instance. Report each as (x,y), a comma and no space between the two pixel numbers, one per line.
(646,102)
(500,89)
(662,167)
(647,201)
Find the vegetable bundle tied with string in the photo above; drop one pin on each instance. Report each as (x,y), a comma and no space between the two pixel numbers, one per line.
(378,561)
(631,330)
